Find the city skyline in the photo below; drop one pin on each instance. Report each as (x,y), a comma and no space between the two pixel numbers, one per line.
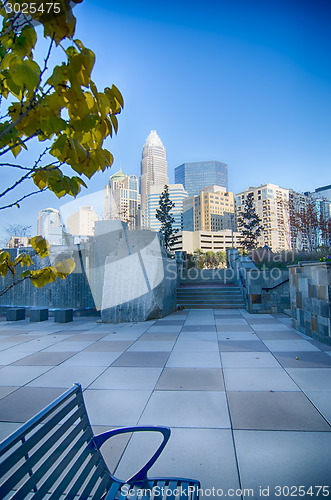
(241,84)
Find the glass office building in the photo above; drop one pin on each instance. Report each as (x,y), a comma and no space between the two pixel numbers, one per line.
(199,175)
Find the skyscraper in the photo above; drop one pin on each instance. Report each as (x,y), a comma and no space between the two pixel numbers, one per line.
(49,226)
(199,175)
(122,199)
(153,170)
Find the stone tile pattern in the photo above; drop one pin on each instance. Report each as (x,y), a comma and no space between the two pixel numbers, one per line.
(310,289)
(240,392)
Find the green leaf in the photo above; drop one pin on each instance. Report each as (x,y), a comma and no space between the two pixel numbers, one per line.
(40,245)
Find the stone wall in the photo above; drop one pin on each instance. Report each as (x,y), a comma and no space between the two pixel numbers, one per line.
(73,292)
(310,289)
(258,285)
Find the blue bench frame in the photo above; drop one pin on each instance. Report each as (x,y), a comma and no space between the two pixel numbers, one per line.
(56,453)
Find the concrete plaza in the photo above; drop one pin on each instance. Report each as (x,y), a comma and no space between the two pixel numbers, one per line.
(247,397)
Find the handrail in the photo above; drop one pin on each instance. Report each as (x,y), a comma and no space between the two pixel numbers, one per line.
(272,287)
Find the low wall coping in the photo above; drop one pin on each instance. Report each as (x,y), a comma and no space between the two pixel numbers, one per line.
(308,263)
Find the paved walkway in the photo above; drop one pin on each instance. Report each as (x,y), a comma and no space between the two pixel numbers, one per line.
(247,397)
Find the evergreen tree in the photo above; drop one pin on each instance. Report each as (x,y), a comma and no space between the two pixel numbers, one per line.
(164,216)
(249,224)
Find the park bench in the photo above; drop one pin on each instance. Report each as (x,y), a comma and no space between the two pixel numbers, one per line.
(55,455)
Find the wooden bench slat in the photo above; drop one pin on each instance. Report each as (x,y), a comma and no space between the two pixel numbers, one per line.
(104,486)
(113,490)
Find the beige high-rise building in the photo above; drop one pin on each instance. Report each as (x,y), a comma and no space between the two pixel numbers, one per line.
(271,203)
(122,199)
(212,210)
(153,171)
(81,223)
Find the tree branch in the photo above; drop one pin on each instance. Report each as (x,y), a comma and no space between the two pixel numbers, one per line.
(23,198)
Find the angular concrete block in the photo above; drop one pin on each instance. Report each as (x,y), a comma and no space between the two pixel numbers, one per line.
(39,314)
(63,315)
(16,314)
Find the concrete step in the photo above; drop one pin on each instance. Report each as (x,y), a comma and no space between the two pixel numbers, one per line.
(212,306)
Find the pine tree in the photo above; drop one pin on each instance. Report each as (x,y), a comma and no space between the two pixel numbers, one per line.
(249,224)
(164,216)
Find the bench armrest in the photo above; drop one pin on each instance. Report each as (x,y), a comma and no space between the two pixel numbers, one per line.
(141,475)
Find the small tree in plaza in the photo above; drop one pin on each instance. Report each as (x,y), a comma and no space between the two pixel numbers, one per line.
(58,108)
(163,214)
(249,224)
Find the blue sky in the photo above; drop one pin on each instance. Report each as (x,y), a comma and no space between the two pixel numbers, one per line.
(247,83)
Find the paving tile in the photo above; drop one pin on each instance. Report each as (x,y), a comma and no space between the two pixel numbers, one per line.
(322,401)
(118,336)
(320,345)
(116,346)
(283,458)
(162,345)
(158,336)
(234,328)
(7,428)
(272,327)
(44,359)
(278,335)
(230,321)
(198,328)
(7,357)
(143,379)
(311,379)
(165,329)
(205,454)
(115,407)
(169,322)
(148,359)
(237,336)
(69,346)
(197,336)
(190,379)
(21,405)
(195,345)
(66,376)
(304,359)
(242,346)
(274,411)
(289,345)
(92,359)
(86,336)
(258,379)
(4,391)
(191,359)
(248,360)
(20,375)
(187,409)
(112,450)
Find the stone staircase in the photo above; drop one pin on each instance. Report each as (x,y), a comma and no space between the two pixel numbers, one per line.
(208,289)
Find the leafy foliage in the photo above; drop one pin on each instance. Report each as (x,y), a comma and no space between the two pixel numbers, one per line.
(163,214)
(38,277)
(310,225)
(249,224)
(62,107)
